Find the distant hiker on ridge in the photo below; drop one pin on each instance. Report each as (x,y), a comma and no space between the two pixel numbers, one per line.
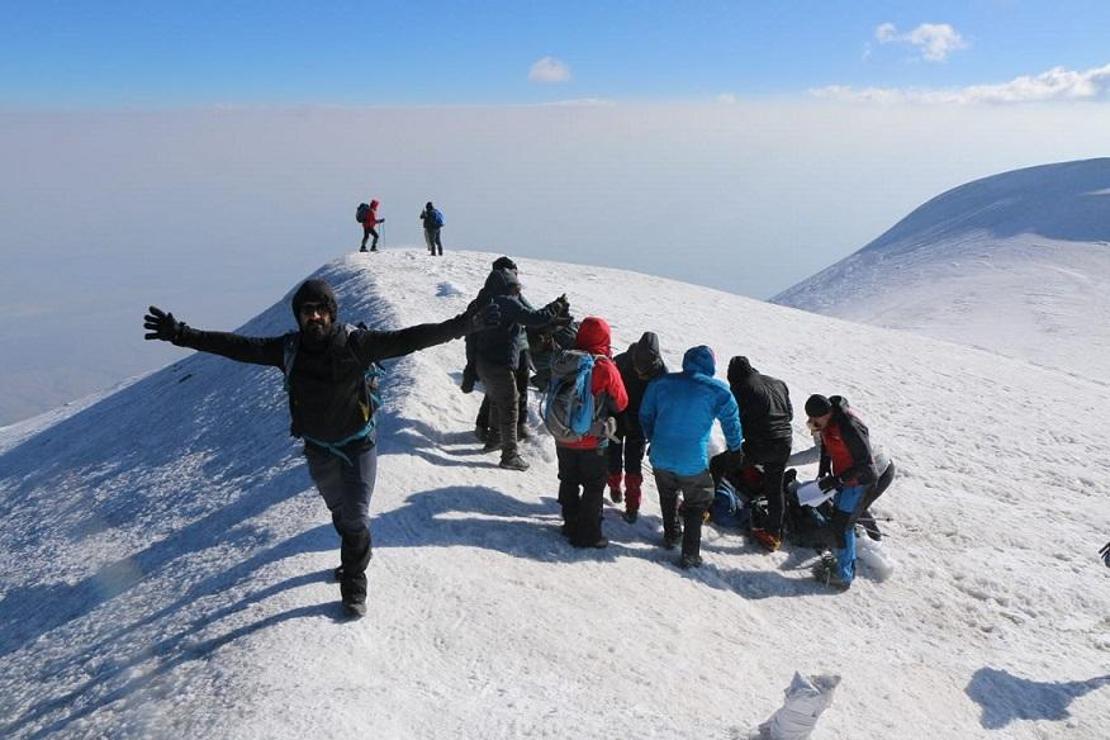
(332,400)
(639,365)
(368,217)
(677,416)
(433,223)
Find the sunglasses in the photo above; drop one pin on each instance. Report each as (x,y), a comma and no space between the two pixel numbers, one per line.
(311,309)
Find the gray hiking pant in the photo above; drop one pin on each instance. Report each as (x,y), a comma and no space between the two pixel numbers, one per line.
(500,383)
(433,240)
(697,494)
(346,488)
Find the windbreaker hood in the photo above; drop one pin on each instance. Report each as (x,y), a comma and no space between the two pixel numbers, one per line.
(700,360)
(739,368)
(593,336)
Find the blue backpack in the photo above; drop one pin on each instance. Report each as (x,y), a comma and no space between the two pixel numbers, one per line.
(437,219)
(728,508)
(570,411)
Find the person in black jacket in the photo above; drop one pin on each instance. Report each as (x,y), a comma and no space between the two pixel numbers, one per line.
(497,354)
(330,401)
(638,366)
(765,416)
(523,370)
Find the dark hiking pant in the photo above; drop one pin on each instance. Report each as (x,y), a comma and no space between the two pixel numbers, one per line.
(367,232)
(504,410)
(433,240)
(864,517)
(482,420)
(697,494)
(627,454)
(581,485)
(772,455)
(347,488)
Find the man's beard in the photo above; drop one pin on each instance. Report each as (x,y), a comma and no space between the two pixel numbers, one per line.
(315,331)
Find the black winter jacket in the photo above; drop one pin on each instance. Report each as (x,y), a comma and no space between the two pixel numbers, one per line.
(327,398)
(628,422)
(765,408)
(502,345)
(856,438)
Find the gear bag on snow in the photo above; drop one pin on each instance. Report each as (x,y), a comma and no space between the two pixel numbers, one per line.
(728,508)
(361,212)
(570,411)
(369,403)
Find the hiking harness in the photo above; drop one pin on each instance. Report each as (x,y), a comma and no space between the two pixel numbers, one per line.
(372,378)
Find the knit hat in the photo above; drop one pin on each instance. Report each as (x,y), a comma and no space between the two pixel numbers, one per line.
(817,405)
(646,359)
(504,263)
(315,291)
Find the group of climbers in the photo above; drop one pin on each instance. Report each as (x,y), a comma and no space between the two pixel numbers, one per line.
(605,413)
(431,218)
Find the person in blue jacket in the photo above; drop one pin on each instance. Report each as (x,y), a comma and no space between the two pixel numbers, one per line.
(677,417)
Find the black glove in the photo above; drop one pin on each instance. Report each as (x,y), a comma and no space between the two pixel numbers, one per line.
(469,378)
(732,460)
(561,305)
(381,220)
(828,483)
(1105,553)
(162,325)
(483,318)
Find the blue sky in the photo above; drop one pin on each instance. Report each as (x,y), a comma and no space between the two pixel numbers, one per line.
(66,54)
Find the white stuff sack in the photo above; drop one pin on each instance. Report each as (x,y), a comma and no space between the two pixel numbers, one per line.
(806,698)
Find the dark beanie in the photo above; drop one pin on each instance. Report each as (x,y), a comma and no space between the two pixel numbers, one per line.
(315,291)
(817,405)
(504,263)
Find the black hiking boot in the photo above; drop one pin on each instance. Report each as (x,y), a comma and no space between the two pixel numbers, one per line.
(354,609)
(630,516)
(690,561)
(599,544)
(671,539)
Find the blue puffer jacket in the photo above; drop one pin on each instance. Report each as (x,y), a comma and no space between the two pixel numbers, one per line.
(678,411)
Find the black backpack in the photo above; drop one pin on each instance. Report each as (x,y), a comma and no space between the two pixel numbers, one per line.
(362,212)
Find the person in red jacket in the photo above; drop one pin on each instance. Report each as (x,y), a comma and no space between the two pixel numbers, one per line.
(583,465)
(368,229)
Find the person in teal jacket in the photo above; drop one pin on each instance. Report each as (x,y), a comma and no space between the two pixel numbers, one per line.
(677,416)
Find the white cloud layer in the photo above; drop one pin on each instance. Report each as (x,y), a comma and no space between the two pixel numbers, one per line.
(549,70)
(1057,84)
(935,41)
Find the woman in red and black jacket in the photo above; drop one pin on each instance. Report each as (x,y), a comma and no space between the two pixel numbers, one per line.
(583,465)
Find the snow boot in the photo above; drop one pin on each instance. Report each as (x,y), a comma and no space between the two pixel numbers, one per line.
(355,609)
(690,561)
(615,494)
(513,462)
(631,516)
(825,571)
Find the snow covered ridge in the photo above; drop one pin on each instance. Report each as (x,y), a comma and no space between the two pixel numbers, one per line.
(1018,263)
(166,560)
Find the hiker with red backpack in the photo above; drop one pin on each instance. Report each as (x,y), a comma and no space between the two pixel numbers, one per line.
(586,390)
(638,366)
(677,416)
(367,215)
(329,376)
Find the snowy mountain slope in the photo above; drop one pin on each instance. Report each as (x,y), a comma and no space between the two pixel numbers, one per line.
(166,560)
(1018,263)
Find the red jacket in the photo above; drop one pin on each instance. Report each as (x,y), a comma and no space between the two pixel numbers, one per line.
(372,219)
(593,337)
